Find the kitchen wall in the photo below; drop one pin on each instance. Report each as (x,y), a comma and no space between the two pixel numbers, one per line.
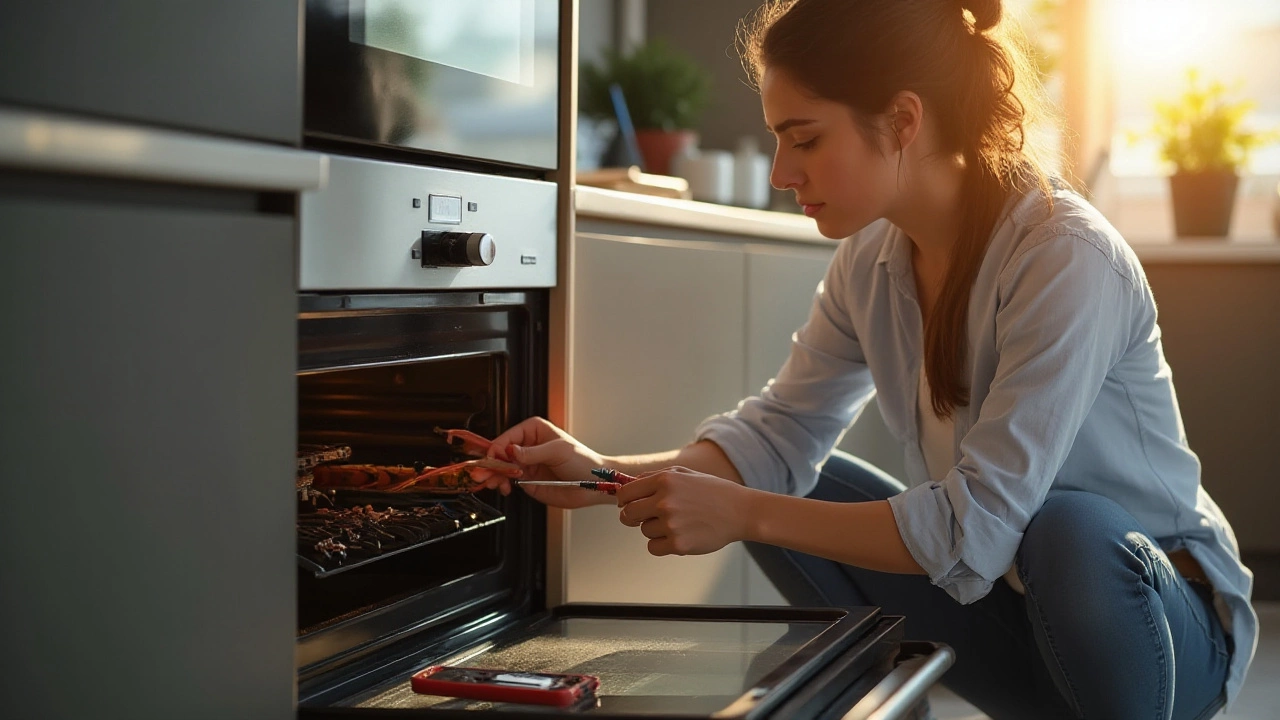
(705,30)
(596,31)
(1222,341)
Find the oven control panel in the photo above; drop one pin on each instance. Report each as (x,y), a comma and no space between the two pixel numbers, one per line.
(386,226)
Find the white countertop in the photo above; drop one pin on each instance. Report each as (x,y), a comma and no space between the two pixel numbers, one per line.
(693,215)
(742,222)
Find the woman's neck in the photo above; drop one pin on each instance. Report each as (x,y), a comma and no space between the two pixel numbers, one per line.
(930,207)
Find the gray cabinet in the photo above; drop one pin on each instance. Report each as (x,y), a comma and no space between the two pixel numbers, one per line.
(230,67)
(146,500)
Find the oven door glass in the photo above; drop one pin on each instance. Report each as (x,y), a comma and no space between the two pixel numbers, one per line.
(655,661)
(475,79)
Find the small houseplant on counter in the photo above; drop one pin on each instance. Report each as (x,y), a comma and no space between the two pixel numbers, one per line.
(1203,135)
(665,90)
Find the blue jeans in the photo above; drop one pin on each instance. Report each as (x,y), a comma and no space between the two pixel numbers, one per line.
(1107,628)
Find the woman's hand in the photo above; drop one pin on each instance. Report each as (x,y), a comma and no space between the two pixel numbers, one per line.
(545,452)
(683,512)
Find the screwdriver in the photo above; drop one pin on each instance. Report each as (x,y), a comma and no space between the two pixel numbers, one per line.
(610,481)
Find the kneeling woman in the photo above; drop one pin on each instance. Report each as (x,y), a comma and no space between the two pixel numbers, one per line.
(1052,528)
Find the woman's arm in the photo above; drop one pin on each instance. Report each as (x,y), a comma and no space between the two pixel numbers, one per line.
(684,512)
(703,456)
(864,534)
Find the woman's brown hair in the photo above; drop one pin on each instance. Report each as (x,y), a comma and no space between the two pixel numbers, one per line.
(969,70)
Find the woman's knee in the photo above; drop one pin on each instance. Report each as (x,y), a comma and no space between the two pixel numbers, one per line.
(845,478)
(1077,536)
(808,580)
(804,580)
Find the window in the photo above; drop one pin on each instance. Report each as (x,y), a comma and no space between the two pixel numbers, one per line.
(1150,44)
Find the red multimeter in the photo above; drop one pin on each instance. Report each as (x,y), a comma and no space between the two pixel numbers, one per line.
(504,685)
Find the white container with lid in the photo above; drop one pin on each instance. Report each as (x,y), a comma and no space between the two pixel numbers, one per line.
(750,174)
(709,172)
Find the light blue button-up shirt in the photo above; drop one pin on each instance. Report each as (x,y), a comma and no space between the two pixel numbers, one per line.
(1068,387)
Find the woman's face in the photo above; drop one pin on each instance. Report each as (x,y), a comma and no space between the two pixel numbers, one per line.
(840,179)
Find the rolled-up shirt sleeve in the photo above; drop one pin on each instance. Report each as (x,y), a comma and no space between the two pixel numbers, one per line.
(778,439)
(1068,310)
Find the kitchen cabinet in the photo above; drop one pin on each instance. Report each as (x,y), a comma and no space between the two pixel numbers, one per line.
(148,306)
(671,326)
(659,339)
(148,393)
(781,281)
(229,67)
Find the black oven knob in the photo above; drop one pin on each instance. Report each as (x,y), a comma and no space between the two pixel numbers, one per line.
(457,249)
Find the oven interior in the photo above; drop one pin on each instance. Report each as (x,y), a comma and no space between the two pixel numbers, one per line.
(381,381)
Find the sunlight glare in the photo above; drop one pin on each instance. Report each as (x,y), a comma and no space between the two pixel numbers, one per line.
(1159,34)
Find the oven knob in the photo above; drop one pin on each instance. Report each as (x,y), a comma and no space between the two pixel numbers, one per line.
(457,249)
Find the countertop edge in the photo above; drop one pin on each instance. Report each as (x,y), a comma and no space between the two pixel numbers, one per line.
(693,215)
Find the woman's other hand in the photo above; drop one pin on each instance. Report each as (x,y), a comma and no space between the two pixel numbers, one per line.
(684,512)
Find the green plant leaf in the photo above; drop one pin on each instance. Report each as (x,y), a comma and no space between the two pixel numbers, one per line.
(1203,129)
(664,88)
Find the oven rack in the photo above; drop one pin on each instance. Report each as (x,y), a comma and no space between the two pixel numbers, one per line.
(446,517)
(313,454)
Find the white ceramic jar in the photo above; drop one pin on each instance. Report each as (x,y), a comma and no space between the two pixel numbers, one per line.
(709,172)
(750,174)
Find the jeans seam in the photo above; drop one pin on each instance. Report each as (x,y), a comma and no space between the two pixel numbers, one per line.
(1074,700)
(1155,637)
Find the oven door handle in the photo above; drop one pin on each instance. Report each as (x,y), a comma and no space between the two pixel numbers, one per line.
(906,686)
(48,142)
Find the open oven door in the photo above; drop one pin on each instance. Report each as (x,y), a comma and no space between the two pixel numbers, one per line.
(673,662)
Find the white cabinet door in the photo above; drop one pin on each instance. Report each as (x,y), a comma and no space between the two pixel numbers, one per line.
(780,285)
(781,282)
(659,340)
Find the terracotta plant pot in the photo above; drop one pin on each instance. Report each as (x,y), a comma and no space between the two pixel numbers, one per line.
(657,147)
(1203,202)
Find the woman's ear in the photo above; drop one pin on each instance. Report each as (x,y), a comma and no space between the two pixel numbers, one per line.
(905,114)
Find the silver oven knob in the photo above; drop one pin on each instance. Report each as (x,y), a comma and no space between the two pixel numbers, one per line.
(457,249)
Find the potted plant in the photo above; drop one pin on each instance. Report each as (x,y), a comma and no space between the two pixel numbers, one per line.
(665,91)
(1202,134)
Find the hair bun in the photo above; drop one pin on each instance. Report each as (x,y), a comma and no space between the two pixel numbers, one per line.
(986,13)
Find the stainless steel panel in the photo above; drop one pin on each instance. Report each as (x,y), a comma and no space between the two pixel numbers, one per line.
(362,231)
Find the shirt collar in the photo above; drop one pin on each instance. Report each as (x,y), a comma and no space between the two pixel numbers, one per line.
(895,252)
